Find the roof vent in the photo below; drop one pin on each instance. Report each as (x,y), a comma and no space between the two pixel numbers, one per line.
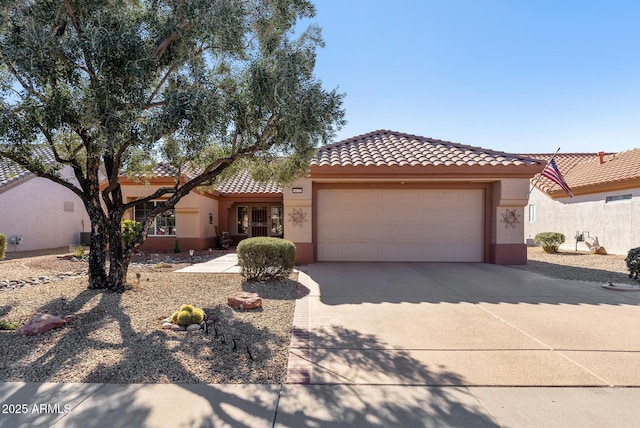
(601,155)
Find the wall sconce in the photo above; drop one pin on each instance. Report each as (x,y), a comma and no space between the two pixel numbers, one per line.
(210,218)
(296,189)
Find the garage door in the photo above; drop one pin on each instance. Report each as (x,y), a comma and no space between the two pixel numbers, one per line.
(400,225)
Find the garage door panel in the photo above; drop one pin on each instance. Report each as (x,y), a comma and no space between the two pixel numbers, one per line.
(400,225)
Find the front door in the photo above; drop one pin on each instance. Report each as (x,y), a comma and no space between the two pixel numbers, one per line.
(259,222)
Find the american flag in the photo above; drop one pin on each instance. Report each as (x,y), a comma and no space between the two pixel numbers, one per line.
(552,172)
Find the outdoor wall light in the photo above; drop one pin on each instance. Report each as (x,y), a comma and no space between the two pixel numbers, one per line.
(210,218)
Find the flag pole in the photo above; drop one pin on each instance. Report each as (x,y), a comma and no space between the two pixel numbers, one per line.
(540,174)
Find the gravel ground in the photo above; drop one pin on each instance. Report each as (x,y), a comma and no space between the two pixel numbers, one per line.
(116,338)
(580,266)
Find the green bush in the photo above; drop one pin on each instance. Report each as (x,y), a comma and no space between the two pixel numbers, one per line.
(176,247)
(549,241)
(78,251)
(130,231)
(263,259)
(3,246)
(8,325)
(633,262)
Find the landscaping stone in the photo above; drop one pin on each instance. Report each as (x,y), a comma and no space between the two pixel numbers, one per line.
(193,327)
(167,325)
(176,327)
(42,323)
(244,300)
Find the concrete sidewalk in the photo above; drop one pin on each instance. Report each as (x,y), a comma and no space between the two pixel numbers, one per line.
(225,264)
(108,406)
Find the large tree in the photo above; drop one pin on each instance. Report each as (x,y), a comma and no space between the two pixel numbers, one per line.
(112,86)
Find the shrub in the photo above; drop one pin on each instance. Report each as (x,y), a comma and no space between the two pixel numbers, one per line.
(3,246)
(549,241)
(78,251)
(633,262)
(8,325)
(130,231)
(176,247)
(263,259)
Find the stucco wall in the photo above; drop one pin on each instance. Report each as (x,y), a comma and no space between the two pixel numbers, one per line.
(45,214)
(613,223)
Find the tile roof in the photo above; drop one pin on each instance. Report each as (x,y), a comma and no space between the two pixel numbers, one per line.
(11,173)
(389,148)
(240,183)
(584,173)
(243,183)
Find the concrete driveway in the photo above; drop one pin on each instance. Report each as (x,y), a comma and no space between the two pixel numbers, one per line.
(450,324)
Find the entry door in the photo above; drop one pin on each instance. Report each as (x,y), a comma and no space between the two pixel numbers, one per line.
(259,221)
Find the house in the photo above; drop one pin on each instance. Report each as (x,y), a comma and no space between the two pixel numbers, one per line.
(38,212)
(381,196)
(605,206)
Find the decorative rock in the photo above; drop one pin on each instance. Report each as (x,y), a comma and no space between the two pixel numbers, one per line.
(168,319)
(41,323)
(244,300)
(193,327)
(167,325)
(598,250)
(176,327)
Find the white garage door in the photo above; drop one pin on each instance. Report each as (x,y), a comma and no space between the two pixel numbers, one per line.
(400,225)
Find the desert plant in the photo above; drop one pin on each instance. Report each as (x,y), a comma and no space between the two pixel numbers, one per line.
(3,246)
(262,259)
(187,315)
(549,241)
(78,251)
(8,325)
(176,246)
(633,262)
(131,229)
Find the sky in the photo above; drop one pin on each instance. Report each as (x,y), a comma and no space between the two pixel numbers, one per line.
(518,76)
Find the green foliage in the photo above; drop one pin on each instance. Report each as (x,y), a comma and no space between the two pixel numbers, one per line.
(549,241)
(3,246)
(187,315)
(633,262)
(131,229)
(176,246)
(78,251)
(263,258)
(9,325)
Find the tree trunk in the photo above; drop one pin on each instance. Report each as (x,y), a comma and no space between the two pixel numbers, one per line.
(119,257)
(97,260)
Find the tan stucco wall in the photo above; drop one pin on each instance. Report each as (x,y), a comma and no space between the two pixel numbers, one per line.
(509,195)
(192,212)
(615,224)
(294,203)
(35,209)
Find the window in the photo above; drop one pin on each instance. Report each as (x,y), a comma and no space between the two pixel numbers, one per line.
(163,225)
(532,213)
(276,221)
(243,221)
(618,198)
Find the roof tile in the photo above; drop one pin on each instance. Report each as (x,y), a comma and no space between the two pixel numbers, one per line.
(583,171)
(389,148)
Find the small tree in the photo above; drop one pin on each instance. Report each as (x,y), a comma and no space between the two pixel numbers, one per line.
(3,246)
(549,241)
(112,87)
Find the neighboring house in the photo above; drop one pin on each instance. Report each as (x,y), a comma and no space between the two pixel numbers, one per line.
(382,196)
(605,206)
(41,212)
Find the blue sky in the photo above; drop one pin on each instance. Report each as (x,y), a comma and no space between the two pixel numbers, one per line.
(517,76)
